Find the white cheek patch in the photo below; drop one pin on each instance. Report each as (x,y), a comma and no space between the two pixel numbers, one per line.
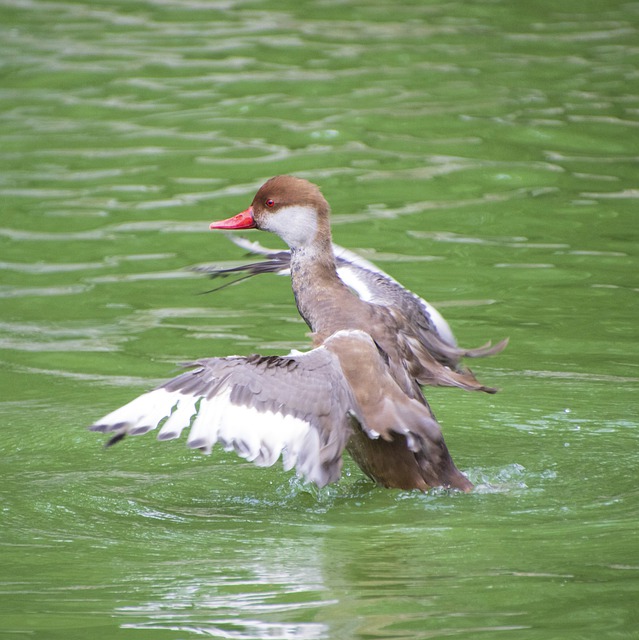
(296,225)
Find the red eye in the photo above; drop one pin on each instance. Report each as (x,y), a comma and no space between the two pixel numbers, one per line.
(270,203)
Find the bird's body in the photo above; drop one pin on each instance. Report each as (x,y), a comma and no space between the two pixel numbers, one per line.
(358,389)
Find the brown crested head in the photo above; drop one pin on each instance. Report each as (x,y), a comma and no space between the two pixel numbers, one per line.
(286,191)
(294,209)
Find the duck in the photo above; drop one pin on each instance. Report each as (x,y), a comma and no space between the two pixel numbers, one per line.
(306,408)
(418,355)
(359,389)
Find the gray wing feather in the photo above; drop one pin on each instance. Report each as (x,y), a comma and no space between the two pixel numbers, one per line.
(262,407)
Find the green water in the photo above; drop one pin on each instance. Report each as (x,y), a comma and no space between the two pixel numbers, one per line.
(484,154)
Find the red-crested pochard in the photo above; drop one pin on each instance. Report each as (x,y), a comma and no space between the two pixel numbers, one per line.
(358,389)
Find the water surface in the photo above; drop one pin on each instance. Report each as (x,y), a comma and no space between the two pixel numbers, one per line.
(483,154)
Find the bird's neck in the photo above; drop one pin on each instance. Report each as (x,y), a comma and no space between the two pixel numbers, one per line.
(317,288)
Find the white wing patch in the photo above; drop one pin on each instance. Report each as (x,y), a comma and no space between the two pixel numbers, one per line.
(442,327)
(140,415)
(260,437)
(185,409)
(350,277)
(357,260)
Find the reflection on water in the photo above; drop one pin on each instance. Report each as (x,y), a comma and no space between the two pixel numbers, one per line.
(246,600)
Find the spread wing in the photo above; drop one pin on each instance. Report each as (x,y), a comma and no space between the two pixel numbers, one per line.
(263,407)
